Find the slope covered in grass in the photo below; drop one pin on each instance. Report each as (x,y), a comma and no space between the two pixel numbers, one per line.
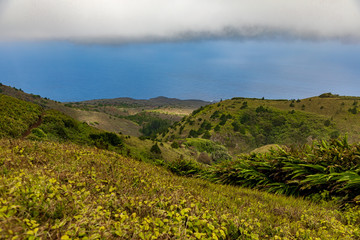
(16,116)
(51,190)
(245,124)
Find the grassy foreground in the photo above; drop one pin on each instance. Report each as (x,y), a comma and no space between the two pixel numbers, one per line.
(52,191)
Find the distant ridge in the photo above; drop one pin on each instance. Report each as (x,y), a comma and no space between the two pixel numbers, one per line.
(160,101)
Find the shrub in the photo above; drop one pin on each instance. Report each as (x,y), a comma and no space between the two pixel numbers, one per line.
(261,109)
(353,110)
(38,134)
(175,144)
(215,115)
(244,105)
(328,95)
(103,140)
(155,149)
(236,126)
(193,133)
(206,125)
(184,167)
(206,135)
(204,158)
(327,122)
(224,118)
(154,127)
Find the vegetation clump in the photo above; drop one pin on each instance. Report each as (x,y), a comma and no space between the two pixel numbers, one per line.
(155,149)
(218,152)
(106,139)
(321,171)
(57,126)
(328,95)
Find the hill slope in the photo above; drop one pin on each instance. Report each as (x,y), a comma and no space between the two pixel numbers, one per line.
(114,115)
(243,124)
(17,116)
(96,119)
(51,190)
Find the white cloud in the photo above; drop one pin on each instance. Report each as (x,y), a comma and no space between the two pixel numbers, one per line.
(149,20)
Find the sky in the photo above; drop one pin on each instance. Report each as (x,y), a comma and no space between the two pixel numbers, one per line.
(206,49)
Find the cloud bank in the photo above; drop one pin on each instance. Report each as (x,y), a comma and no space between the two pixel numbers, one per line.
(168,20)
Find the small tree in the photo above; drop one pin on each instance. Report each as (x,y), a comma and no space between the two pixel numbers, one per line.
(155,149)
(353,110)
(327,122)
(175,145)
(206,135)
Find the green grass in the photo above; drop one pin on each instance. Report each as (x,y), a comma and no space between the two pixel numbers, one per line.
(16,116)
(53,191)
(245,124)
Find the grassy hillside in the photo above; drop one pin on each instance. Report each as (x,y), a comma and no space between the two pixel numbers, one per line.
(106,122)
(17,116)
(243,124)
(52,190)
(101,120)
(143,115)
(114,115)
(26,119)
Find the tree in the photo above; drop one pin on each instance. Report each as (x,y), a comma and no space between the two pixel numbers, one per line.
(206,135)
(155,149)
(175,145)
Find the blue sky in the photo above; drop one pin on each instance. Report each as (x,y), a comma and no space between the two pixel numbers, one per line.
(205,49)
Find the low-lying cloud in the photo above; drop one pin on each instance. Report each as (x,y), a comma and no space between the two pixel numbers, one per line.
(168,20)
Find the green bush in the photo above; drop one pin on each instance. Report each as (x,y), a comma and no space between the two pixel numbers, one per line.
(193,134)
(175,145)
(183,167)
(206,135)
(217,151)
(106,139)
(155,126)
(206,125)
(155,149)
(353,110)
